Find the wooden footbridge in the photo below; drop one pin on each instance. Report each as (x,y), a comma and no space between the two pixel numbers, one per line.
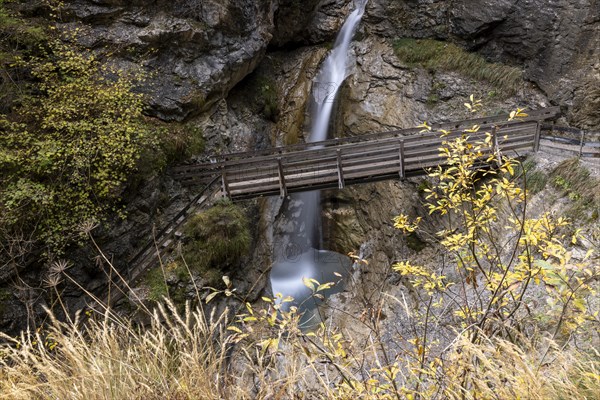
(341,162)
(338,163)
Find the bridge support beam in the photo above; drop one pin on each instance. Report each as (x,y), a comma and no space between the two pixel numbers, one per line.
(341,183)
(282,187)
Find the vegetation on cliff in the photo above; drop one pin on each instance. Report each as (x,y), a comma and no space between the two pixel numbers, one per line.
(73,137)
(520,302)
(216,239)
(69,142)
(438,55)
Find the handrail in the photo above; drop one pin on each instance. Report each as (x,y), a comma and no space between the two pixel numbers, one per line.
(165,228)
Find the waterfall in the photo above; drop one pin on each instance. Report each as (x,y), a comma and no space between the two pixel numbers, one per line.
(332,74)
(304,209)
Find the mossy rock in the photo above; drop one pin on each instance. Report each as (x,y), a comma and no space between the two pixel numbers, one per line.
(575,182)
(216,239)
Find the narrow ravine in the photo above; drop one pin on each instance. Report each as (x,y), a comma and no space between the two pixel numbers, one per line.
(305,257)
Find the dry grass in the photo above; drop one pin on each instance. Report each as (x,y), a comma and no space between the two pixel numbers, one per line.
(438,55)
(174,358)
(187,356)
(499,369)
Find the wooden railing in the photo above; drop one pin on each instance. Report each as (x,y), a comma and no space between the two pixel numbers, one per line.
(340,162)
(335,163)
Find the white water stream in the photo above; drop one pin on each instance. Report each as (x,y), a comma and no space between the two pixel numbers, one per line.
(325,266)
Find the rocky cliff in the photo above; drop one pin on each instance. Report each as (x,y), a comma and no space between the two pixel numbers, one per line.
(242,72)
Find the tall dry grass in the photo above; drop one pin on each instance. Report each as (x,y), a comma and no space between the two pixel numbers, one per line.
(189,356)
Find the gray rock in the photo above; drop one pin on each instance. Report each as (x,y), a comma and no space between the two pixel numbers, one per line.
(194,51)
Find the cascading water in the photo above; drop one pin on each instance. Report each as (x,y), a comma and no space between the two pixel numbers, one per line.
(332,74)
(301,260)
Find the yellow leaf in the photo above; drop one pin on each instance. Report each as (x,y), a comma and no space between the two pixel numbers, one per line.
(210,297)
(308,283)
(234,329)
(227,281)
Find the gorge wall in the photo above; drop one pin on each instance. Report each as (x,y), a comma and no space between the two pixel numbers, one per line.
(241,71)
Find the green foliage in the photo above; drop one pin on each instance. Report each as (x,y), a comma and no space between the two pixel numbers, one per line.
(268,97)
(174,142)
(263,95)
(432,99)
(67,151)
(216,239)
(156,283)
(438,55)
(18,38)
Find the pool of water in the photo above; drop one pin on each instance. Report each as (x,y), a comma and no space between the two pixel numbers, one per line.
(322,265)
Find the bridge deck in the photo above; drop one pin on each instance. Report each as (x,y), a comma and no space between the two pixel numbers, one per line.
(340,162)
(336,163)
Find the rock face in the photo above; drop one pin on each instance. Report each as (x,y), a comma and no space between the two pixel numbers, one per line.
(215,62)
(557,42)
(195,51)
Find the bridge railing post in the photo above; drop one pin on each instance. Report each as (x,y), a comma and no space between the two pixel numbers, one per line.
(536,140)
(341,182)
(496,146)
(225,184)
(282,187)
(581,143)
(401,159)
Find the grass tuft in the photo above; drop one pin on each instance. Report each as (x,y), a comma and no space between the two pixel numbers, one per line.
(535,179)
(575,182)
(438,55)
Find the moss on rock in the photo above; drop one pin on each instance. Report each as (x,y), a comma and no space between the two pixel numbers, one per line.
(216,239)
